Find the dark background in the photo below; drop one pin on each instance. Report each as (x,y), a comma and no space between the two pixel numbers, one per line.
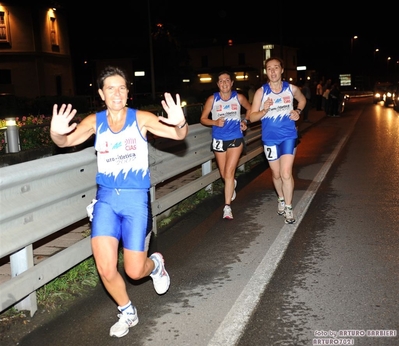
(322,33)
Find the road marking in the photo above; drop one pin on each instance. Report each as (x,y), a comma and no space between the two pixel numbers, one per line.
(233,325)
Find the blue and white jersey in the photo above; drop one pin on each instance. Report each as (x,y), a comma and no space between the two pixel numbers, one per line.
(122,158)
(231,111)
(276,123)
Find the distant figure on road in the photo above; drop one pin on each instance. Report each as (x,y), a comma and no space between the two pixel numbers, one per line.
(274,106)
(334,99)
(121,211)
(319,96)
(227,132)
(308,95)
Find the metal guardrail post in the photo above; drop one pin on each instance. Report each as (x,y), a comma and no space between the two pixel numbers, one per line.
(207,168)
(21,261)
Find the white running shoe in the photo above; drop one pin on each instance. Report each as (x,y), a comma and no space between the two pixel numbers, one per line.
(281,206)
(227,214)
(161,279)
(234,192)
(289,215)
(126,321)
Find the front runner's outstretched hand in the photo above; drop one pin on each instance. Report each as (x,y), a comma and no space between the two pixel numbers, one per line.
(173,109)
(61,119)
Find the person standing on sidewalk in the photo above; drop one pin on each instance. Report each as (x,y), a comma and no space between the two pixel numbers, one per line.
(308,95)
(121,211)
(319,96)
(227,132)
(273,105)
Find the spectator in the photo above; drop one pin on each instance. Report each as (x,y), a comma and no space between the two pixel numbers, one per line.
(308,95)
(319,96)
(334,97)
(326,100)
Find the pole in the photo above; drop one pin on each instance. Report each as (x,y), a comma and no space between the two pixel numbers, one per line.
(151,52)
(12,136)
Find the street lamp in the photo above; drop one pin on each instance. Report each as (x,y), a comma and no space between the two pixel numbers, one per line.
(388,59)
(352,44)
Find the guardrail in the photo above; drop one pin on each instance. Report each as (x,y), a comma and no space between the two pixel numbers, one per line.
(41,197)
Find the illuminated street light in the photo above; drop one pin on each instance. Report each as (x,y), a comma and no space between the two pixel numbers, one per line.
(352,44)
(388,59)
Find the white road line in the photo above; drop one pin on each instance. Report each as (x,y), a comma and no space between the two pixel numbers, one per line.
(235,321)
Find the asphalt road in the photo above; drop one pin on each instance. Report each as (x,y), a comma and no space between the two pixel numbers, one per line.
(256,281)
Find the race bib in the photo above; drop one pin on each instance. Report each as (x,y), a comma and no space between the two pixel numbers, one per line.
(270,152)
(217,144)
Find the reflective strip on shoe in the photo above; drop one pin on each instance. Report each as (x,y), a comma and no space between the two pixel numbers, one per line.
(126,321)
(160,279)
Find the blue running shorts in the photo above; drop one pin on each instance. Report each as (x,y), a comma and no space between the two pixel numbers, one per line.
(273,152)
(124,214)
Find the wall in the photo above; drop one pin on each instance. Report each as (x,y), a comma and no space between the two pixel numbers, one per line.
(33,61)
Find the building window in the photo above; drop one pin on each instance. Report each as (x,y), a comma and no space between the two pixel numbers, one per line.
(204,61)
(241,76)
(4,29)
(241,58)
(205,78)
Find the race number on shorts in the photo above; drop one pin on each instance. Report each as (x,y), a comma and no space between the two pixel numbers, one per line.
(270,152)
(217,145)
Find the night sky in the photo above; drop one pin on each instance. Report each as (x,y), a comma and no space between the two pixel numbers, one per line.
(322,35)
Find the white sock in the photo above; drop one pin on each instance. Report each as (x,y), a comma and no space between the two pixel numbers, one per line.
(126,309)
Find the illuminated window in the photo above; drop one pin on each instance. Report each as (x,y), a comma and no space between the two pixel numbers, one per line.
(241,76)
(4,30)
(205,78)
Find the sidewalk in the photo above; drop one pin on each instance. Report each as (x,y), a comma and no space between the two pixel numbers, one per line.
(77,233)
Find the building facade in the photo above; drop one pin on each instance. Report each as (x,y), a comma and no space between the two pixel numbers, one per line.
(34,51)
(245,60)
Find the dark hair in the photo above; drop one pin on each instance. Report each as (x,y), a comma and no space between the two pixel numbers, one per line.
(275,58)
(231,75)
(111,71)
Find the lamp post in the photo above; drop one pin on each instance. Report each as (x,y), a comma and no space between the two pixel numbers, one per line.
(352,42)
(388,59)
(352,45)
(12,136)
(375,64)
(151,51)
